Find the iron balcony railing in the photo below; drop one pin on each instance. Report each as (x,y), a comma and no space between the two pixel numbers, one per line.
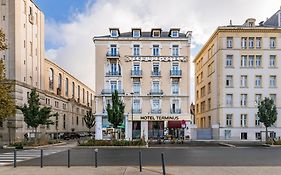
(137,111)
(175,73)
(155,111)
(156,92)
(136,73)
(113,54)
(175,111)
(110,91)
(156,73)
(116,73)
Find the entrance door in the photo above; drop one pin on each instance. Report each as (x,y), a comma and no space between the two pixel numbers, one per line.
(136,132)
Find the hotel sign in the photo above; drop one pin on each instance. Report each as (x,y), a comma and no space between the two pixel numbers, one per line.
(158,118)
(156,58)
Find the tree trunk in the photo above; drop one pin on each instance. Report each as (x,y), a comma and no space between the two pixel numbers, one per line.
(266,134)
(35,141)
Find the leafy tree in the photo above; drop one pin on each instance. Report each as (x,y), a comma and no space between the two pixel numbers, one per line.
(7,103)
(34,115)
(267,114)
(89,120)
(115,111)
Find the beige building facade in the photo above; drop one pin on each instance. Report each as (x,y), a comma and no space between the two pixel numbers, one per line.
(234,71)
(23,24)
(150,71)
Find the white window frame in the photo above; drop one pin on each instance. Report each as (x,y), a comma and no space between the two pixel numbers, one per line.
(229,42)
(229,99)
(258,81)
(243,81)
(229,61)
(272,61)
(114,33)
(136,33)
(243,100)
(174,33)
(228,120)
(272,81)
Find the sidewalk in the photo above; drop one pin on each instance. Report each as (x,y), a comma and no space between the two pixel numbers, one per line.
(116,170)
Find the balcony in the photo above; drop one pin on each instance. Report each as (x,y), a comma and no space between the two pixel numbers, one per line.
(175,73)
(156,74)
(175,111)
(136,111)
(113,55)
(110,91)
(113,74)
(156,92)
(155,111)
(136,73)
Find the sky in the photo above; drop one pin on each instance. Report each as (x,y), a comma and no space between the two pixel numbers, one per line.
(70,25)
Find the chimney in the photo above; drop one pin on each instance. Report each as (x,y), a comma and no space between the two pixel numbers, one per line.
(230,22)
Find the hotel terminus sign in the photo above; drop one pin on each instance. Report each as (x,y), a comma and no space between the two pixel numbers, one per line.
(156,58)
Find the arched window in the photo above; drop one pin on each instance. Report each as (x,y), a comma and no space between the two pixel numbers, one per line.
(66,87)
(73,90)
(78,89)
(51,79)
(60,81)
(83,95)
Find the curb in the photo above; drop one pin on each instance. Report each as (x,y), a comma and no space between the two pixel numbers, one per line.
(121,147)
(227,144)
(35,147)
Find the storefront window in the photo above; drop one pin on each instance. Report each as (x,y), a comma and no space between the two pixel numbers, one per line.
(136,130)
(156,129)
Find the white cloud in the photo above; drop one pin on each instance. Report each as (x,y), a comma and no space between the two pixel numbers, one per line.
(75,50)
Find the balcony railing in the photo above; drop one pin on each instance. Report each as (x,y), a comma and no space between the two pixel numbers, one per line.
(156,92)
(113,74)
(111,54)
(175,73)
(155,73)
(136,73)
(155,111)
(137,111)
(175,111)
(110,91)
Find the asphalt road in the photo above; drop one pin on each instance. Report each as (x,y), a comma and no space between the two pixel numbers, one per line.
(195,156)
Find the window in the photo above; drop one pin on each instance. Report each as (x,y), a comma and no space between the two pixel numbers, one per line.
(4,18)
(243,100)
(174,33)
(243,136)
(257,120)
(244,81)
(156,33)
(229,81)
(197,95)
(136,50)
(155,106)
(244,61)
(243,42)
(229,41)
(258,61)
(273,97)
(31,48)
(136,86)
(113,50)
(83,95)
(258,42)
(209,104)
(272,42)
(113,85)
(66,87)
(209,88)
(91,100)
(175,87)
(78,93)
(155,50)
(136,33)
(229,61)
(272,61)
(155,86)
(258,81)
(60,81)
(203,91)
(77,120)
(251,42)
(272,81)
(258,98)
(243,120)
(3,2)
(175,50)
(88,98)
(114,33)
(155,69)
(251,60)
(228,120)
(73,90)
(136,106)
(51,79)
(258,136)
(175,106)
(202,106)
(229,99)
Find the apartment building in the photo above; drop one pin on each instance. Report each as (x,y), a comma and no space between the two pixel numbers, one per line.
(235,70)
(23,24)
(150,71)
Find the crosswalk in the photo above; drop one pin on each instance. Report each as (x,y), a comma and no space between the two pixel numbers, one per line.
(22,155)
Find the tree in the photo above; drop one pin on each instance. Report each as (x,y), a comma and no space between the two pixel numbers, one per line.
(34,115)
(89,120)
(7,103)
(267,114)
(115,111)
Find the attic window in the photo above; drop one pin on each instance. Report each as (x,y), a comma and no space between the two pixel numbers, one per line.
(136,33)
(114,33)
(175,33)
(156,33)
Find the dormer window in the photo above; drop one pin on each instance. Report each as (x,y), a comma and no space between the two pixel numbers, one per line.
(114,33)
(136,33)
(175,33)
(156,33)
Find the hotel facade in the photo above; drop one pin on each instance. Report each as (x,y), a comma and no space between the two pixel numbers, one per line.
(150,71)
(237,68)
(23,24)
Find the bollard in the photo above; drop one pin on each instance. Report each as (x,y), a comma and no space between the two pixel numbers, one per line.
(140,160)
(163,164)
(41,162)
(96,158)
(68,158)
(15,158)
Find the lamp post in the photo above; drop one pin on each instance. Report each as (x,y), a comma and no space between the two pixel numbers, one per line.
(132,93)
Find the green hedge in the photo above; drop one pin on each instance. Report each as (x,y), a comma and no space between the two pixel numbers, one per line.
(113,143)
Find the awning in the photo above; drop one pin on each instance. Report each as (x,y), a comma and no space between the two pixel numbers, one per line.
(174,124)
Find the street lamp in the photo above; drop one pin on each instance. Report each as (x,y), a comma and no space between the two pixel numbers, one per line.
(132,93)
